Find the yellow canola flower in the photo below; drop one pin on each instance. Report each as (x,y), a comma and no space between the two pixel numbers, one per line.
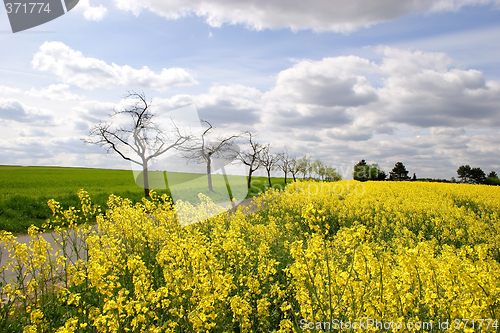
(317,251)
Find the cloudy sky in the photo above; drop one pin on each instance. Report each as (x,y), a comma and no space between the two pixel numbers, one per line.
(386,81)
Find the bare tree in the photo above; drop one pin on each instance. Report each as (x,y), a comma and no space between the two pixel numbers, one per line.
(304,165)
(251,158)
(205,149)
(294,167)
(319,168)
(284,163)
(331,174)
(268,161)
(142,141)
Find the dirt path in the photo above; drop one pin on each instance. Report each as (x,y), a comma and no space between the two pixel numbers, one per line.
(249,202)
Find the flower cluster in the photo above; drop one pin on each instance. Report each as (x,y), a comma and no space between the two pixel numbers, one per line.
(386,251)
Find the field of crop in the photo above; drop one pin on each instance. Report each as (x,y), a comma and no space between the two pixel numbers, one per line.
(24,191)
(409,253)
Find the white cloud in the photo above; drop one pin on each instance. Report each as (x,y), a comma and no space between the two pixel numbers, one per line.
(455,5)
(72,67)
(222,105)
(420,89)
(51,150)
(411,106)
(484,147)
(91,13)
(430,92)
(352,108)
(319,93)
(14,110)
(406,62)
(318,15)
(4,90)
(90,112)
(54,92)
(34,132)
(473,46)
(329,82)
(350,133)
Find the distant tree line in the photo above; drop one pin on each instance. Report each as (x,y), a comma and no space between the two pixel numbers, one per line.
(363,172)
(470,175)
(466,174)
(260,156)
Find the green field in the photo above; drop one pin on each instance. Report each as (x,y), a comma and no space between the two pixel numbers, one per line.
(24,191)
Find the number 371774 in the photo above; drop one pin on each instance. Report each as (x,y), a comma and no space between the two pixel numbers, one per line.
(27,8)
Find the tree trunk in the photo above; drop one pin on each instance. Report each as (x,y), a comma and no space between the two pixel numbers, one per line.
(294,179)
(269,177)
(250,178)
(285,178)
(209,174)
(145,178)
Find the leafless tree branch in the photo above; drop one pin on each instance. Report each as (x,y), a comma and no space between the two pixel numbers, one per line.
(202,150)
(143,137)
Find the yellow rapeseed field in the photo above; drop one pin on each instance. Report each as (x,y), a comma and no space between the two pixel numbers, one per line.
(316,257)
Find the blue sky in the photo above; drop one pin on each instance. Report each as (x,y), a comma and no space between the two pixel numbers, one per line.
(417,82)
